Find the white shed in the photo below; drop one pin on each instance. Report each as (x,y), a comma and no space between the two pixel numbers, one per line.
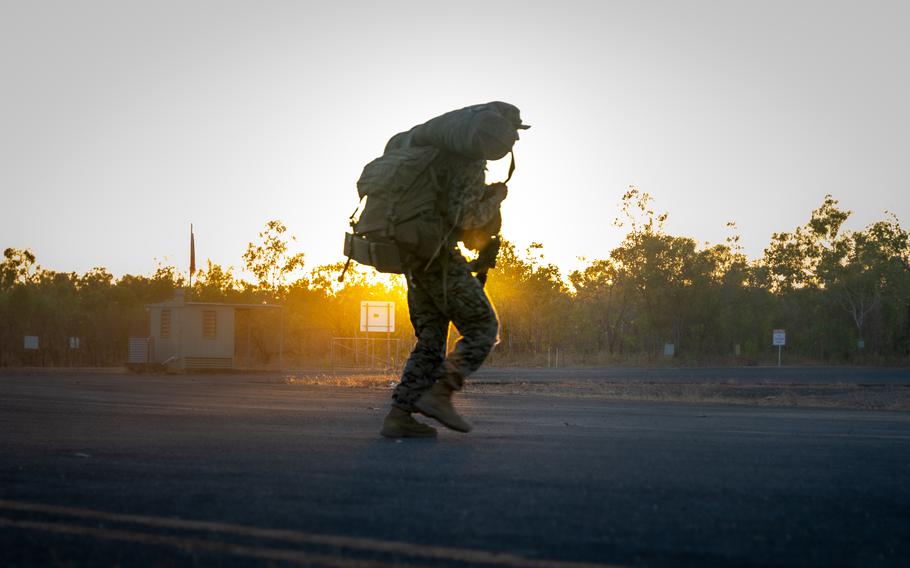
(195,335)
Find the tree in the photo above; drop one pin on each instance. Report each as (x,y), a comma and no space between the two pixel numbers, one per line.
(601,306)
(269,260)
(215,283)
(828,286)
(793,258)
(17,267)
(866,270)
(530,299)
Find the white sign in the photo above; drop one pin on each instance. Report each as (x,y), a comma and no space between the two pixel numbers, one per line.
(377,316)
(74,343)
(31,342)
(779,337)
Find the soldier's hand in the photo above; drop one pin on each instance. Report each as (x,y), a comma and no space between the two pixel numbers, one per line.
(498,191)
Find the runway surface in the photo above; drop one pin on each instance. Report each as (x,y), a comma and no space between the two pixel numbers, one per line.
(247,470)
(708,375)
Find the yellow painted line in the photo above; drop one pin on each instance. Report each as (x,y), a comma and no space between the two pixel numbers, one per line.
(195,544)
(363,544)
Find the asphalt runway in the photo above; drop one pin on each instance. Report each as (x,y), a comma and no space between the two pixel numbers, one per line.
(249,471)
(707,375)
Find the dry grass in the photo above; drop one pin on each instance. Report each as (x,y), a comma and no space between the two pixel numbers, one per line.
(841,395)
(344,380)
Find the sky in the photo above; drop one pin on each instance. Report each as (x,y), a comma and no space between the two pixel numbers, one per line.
(122,122)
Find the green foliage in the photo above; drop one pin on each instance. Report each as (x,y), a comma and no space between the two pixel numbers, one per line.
(530,298)
(16,268)
(269,260)
(830,288)
(793,259)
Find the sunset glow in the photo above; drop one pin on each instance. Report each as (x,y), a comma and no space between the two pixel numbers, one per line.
(125,124)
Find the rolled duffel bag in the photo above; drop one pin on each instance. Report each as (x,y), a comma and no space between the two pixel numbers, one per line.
(479,132)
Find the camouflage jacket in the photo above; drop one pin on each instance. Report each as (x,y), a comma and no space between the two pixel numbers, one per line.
(470,202)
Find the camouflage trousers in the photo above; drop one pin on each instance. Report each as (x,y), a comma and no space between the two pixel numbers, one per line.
(443,294)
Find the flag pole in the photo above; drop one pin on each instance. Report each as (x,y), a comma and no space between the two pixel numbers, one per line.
(192,255)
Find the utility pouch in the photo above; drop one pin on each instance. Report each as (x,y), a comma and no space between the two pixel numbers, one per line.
(384,256)
(420,236)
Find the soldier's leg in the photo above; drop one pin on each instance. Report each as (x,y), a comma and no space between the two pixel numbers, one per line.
(473,315)
(460,297)
(425,364)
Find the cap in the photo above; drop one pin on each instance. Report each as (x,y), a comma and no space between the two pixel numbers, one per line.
(511,112)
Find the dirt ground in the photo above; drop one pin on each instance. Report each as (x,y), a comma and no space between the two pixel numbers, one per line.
(838,395)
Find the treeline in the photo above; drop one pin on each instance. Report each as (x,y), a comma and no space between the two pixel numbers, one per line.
(842,296)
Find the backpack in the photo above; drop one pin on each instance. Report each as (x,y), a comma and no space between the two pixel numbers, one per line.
(403,218)
(478,132)
(400,220)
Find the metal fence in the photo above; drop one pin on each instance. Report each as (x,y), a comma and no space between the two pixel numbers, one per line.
(367,353)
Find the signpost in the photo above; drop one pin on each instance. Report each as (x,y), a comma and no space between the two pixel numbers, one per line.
(779,339)
(377,316)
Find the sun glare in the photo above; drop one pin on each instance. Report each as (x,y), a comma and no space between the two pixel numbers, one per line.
(357,275)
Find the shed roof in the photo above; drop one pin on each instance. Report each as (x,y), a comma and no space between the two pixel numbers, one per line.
(182,304)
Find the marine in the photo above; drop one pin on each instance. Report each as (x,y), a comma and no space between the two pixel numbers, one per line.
(448,289)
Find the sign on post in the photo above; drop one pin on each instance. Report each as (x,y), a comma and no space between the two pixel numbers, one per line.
(377,316)
(779,339)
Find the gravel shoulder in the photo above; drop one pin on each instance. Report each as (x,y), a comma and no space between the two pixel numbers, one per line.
(839,395)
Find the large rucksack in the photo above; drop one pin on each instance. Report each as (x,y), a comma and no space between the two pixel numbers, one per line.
(403,218)
(399,221)
(479,132)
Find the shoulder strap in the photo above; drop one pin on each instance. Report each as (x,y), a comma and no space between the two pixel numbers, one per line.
(511,167)
(442,194)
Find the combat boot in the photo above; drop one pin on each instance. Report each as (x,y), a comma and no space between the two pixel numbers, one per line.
(399,423)
(437,403)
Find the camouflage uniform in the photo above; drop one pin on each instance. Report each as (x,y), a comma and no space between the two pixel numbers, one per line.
(446,291)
